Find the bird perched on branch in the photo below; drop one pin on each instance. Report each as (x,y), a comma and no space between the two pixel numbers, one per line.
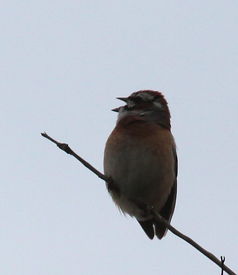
(140,158)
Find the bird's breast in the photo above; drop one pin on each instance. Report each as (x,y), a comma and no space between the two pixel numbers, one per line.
(141,164)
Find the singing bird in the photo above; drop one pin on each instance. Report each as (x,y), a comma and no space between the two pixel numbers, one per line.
(140,158)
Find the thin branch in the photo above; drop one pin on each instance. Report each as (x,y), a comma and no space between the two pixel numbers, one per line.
(205,252)
(65,147)
(220,263)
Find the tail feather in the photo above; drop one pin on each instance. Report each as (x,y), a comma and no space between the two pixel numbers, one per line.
(148,227)
(154,227)
(160,229)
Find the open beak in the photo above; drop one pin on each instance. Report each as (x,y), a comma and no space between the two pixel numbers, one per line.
(125,99)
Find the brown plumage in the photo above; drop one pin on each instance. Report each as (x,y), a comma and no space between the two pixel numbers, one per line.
(140,156)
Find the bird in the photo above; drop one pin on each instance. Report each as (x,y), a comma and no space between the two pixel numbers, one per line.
(141,161)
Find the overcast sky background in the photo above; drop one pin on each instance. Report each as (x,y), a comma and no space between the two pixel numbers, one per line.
(62,64)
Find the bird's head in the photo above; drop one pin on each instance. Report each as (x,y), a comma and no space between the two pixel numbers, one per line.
(147,105)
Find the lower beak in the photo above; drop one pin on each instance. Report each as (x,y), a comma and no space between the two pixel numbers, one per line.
(116,109)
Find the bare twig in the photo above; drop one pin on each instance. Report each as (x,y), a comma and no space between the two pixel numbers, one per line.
(220,263)
(205,252)
(65,147)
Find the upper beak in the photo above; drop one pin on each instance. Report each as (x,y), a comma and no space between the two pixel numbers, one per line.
(125,99)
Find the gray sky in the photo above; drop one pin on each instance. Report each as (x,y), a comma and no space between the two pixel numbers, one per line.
(63,63)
